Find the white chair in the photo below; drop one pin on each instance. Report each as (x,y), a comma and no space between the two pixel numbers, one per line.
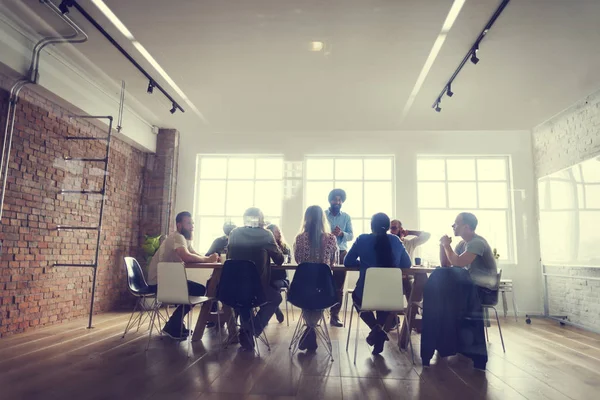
(173,290)
(382,292)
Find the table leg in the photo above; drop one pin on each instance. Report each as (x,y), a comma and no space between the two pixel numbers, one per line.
(211,291)
(416,295)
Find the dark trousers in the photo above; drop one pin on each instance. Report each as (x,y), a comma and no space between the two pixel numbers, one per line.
(369,317)
(339,278)
(407,284)
(264,314)
(194,289)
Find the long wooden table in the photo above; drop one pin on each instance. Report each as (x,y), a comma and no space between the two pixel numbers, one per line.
(420,275)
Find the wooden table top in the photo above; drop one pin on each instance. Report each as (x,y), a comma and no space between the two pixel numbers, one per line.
(409,271)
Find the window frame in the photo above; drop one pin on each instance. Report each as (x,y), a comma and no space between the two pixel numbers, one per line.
(511,257)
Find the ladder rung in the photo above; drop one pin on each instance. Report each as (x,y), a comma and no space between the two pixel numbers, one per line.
(76,265)
(85,159)
(78,228)
(83,191)
(85,138)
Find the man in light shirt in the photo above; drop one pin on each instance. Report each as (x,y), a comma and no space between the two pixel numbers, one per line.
(177,247)
(417,238)
(340,224)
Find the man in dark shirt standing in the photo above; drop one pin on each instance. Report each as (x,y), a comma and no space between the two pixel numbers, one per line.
(253,242)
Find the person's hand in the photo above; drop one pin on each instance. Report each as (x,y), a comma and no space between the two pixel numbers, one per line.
(213,258)
(403,232)
(338,231)
(445,240)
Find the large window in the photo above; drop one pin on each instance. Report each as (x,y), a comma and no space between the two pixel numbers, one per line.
(450,185)
(228,185)
(368,182)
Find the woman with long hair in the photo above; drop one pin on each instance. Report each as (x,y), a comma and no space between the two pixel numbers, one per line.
(314,244)
(377,249)
(279,278)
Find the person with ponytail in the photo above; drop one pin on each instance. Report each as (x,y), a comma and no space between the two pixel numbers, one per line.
(377,249)
(314,244)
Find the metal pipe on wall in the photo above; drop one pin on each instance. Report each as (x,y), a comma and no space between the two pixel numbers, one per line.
(79,36)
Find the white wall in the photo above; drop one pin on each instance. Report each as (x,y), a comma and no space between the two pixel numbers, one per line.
(405,146)
(567,139)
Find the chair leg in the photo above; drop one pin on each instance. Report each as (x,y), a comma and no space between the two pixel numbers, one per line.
(151,326)
(345,307)
(349,327)
(297,334)
(287,316)
(504,305)
(129,324)
(499,329)
(512,292)
(409,329)
(189,338)
(356,338)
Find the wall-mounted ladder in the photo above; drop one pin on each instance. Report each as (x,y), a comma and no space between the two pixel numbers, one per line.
(101,192)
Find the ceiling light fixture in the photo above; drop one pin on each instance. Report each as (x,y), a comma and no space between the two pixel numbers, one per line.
(150,87)
(472,55)
(173,109)
(316,46)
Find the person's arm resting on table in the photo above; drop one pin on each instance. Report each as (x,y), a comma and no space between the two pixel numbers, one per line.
(188,257)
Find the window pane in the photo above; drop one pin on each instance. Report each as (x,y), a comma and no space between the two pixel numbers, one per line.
(354,198)
(562,194)
(209,229)
(379,169)
(268,197)
(542,188)
(580,196)
(378,198)
(348,169)
(211,198)
(493,227)
(431,170)
(592,196)
(319,168)
(493,195)
(269,168)
(240,195)
(438,223)
(316,193)
(554,250)
(241,168)
(461,170)
(462,195)
(273,220)
(577,173)
(213,168)
(431,195)
(491,169)
(589,237)
(591,170)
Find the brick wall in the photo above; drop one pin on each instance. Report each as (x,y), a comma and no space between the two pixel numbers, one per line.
(33,292)
(567,139)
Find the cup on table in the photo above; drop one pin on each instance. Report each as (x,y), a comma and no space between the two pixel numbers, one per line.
(417,260)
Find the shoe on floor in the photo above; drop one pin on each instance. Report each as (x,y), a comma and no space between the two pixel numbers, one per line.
(335,321)
(174,332)
(279,315)
(379,339)
(311,341)
(246,340)
(303,344)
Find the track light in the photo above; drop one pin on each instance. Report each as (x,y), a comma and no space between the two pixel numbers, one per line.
(150,87)
(437,106)
(173,109)
(474,58)
(449,91)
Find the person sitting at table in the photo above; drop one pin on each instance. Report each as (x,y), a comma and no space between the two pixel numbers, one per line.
(279,278)
(418,238)
(473,253)
(219,245)
(254,243)
(377,249)
(314,244)
(177,247)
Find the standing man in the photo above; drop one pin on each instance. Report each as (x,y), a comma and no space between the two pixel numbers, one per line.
(177,247)
(341,227)
(418,238)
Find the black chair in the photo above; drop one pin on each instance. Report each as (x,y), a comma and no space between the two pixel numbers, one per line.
(491,302)
(312,289)
(240,288)
(136,283)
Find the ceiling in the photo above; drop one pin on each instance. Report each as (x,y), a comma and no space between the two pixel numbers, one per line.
(246,65)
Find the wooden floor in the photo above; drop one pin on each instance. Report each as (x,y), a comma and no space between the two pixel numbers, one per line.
(543,361)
